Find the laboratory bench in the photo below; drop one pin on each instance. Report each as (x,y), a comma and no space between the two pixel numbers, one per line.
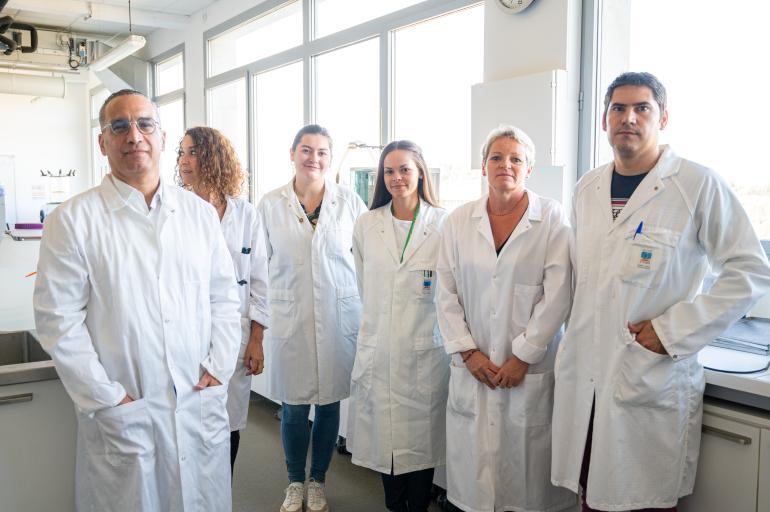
(38,425)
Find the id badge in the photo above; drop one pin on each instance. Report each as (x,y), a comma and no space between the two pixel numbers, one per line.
(427,281)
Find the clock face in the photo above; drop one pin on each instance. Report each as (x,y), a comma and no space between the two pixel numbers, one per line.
(514,6)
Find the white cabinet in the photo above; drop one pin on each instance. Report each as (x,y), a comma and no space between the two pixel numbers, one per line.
(734,457)
(37,447)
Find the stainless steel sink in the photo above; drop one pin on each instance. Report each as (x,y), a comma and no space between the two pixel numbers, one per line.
(20,347)
(22,359)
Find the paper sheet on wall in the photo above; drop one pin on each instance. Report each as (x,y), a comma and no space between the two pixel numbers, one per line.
(8,181)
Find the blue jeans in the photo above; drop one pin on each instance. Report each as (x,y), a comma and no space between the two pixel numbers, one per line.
(295,435)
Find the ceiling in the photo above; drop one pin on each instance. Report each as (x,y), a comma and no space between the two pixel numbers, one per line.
(105,16)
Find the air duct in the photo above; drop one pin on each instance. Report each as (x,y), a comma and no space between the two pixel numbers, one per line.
(31,85)
(128,46)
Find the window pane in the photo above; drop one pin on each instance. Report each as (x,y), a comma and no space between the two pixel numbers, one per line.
(347,103)
(169,75)
(714,118)
(227,113)
(261,37)
(335,15)
(172,122)
(278,114)
(96,102)
(433,74)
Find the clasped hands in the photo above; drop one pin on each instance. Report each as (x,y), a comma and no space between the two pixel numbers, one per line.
(488,373)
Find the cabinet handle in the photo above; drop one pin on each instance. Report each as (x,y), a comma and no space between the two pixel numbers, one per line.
(15,399)
(726,435)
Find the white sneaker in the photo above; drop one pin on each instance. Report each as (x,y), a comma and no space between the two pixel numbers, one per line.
(293,500)
(316,497)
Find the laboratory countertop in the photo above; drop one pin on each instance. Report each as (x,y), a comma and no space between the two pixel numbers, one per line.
(19,258)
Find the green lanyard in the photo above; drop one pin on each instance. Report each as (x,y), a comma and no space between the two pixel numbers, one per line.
(411,227)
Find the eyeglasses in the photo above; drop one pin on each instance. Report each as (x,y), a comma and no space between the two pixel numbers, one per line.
(146,125)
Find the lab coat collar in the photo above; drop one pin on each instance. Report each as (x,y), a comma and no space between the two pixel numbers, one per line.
(534,213)
(423,227)
(118,194)
(332,194)
(652,185)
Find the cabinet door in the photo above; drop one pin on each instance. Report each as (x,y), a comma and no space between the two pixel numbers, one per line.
(37,447)
(728,468)
(763,500)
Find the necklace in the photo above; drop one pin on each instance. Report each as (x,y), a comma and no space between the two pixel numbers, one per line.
(513,210)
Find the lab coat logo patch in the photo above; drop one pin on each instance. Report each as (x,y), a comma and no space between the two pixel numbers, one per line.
(644,259)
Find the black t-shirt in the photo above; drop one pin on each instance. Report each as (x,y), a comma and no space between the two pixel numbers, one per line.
(621,190)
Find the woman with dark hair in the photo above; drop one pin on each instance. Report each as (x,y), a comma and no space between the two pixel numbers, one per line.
(400,378)
(315,310)
(208,166)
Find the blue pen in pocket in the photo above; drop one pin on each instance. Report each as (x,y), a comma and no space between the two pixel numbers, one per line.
(639,228)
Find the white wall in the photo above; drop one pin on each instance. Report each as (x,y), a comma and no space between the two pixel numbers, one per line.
(48,133)
(542,38)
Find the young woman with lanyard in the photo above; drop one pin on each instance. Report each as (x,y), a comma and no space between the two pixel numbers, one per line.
(399,385)
(315,310)
(208,166)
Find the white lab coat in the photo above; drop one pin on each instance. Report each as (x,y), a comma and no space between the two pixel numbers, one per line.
(401,374)
(313,297)
(499,441)
(123,307)
(647,420)
(242,229)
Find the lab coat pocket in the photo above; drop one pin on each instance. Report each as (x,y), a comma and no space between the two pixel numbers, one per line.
(646,378)
(525,297)
(432,369)
(283,313)
(214,419)
(422,282)
(646,256)
(531,402)
(127,432)
(463,392)
(348,310)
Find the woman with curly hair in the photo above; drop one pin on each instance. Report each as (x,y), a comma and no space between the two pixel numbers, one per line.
(208,166)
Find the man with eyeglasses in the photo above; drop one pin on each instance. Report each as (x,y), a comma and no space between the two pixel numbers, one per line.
(137,303)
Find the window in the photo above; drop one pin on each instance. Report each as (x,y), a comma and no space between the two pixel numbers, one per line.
(172,122)
(335,15)
(707,123)
(168,80)
(362,70)
(227,113)
(278,114)
(349,107)
(433,74)
(99,164)
(268,34)
(169,75)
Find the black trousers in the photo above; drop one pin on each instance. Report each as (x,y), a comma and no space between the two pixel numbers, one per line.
(409,492)
(235,440)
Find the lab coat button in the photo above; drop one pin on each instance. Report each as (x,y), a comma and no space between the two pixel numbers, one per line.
(166,321)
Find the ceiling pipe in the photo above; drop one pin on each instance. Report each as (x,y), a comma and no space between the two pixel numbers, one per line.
(31,85)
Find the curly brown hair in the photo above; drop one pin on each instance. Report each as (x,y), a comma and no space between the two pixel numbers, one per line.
(220,170)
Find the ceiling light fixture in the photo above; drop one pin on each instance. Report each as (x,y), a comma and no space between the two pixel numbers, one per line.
(127,47)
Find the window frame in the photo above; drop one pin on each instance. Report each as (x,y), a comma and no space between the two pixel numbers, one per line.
(381,27)
(591,97)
